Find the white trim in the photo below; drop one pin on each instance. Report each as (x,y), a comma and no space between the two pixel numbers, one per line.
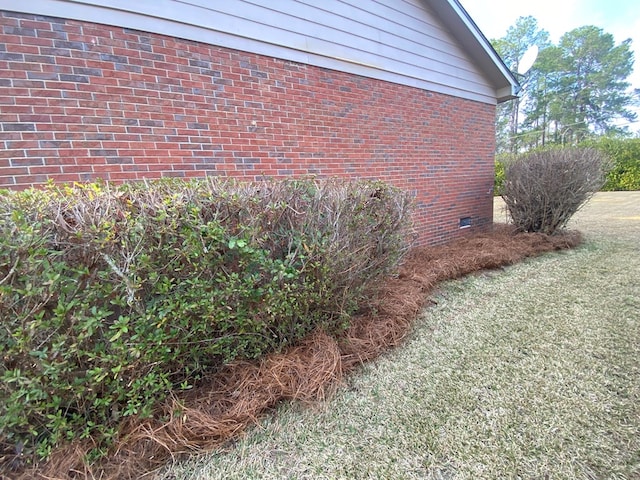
(507,92)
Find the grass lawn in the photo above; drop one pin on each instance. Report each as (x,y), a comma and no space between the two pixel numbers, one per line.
(530,372)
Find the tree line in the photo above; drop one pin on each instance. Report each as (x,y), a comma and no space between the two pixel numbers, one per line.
(575,90)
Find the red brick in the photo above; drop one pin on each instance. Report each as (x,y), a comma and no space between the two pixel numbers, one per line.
(172,120)
(45,169)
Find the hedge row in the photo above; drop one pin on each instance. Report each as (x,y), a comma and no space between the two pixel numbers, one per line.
(111,298)
(624,154)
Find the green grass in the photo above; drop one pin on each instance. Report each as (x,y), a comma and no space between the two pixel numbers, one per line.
(528,372)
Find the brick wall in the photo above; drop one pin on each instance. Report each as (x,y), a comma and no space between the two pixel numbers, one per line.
(82,101)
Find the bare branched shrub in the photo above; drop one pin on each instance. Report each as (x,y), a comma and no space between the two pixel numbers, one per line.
(544,189)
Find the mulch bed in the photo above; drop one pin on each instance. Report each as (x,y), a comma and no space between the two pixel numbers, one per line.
(221,407)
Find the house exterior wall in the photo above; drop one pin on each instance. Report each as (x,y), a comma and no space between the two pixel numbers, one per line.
(81,101)
(402,41)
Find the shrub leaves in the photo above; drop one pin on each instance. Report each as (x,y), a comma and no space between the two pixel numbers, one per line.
(110,298)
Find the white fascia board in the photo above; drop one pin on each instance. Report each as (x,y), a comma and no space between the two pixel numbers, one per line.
(488,58)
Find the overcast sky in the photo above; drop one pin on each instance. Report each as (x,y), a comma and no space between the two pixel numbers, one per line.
(621,18)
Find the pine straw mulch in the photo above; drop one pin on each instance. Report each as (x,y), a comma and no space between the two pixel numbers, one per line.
(223,405)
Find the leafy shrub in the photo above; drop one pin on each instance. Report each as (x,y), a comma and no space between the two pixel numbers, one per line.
(501,162)
(624,172)
(543,189)
(110,298)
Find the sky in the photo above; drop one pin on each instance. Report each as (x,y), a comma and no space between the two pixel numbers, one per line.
(621,18)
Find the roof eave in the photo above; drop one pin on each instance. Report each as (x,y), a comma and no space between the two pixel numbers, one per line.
(507,93)
(473,40)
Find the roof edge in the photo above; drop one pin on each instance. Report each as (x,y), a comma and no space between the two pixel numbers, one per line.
(455,17)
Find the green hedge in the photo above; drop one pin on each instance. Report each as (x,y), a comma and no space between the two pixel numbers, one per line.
(624,154)
(501,162)
(111,298)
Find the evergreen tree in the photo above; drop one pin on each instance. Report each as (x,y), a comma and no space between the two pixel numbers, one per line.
(592,90)
(519,38)
(575,89)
